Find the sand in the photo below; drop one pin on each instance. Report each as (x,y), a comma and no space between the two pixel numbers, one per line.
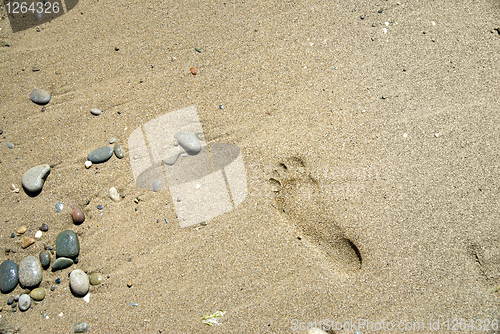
(358,206)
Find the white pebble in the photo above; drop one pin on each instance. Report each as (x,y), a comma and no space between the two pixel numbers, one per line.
(79,282)
(87,297)
(88,163)
(387,24)
(384,30)
(113,194)
(405,135)
(315,331)
(436,135)
(38,234)
(95,112)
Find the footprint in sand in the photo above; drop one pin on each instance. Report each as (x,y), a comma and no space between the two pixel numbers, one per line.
(298,196)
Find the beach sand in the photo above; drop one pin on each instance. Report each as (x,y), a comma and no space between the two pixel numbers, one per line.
(371,156)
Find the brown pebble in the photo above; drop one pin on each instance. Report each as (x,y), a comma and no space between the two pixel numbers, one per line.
(193,71)
(129,283)
(27,241)
(21,230)
(44,227)
(77,213)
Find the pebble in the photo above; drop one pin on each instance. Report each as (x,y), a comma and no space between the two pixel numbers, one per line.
(30,272)
(24,302)
(21,230)
(10,301)
(9,276)
(189,142)
(79,282)
(101,154)
(59,206)
(172,156)
(88,163)
(316,331)
(34,178)
(44,258)
(62,263)
(77,214)
(52,287)
(40,96)
(14,188)
(44,227)
(95,112)
(58,281)
(156,185)
(67,244)
(118,151)
(113,194)
(37,294)
(38,234)
(27,241)
(80,327)
(112,140)
(96,278)
(9,145)
(129,283)
(193,70)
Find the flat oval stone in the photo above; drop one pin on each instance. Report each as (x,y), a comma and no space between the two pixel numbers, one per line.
(77,214)
(40,96)
(37,294)
(62,263)
(9,276)
(80,327)
(172,156)
(79,282)
(27,241)
(96,278)
(118,151)
(44,258)
(67,244)
(24,302)
(34,178)
(101,154)
(95,112)
(30,272)
(189,142)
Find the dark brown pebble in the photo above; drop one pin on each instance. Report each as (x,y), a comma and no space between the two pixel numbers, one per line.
(77,213)
(44,227)
(193,71)
(43,109)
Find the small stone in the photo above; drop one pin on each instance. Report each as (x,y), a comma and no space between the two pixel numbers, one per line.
(59,206)
(96,278)
(16,297)
(35,68)
(193,70)
(362,17)
(30,272)
(77,214)
(27,241)
(52,287)
(189,142)
(156,185)
(37,294)
(172,156)
(118,151)
(178,199)
(129,283)
(38,234)
(9,276)
(40,96)
(80,327)
(117,48)
(10,301)
(12,235)
(44,227)
(88,163)
(113,194)
(99,207)
(21,230)
(24,302)
(62,263)
(380,11)
(79,282)
(58,281)
(45,258)
(112,140)
(101,154)
(95,112)
(67,244)
(14,188)
(34,178)
(221,107)
(9,145)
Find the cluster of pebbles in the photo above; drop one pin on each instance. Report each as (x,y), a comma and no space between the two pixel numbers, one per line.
(28,273)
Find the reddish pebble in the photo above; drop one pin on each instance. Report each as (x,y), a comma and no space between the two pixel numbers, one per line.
(77,213)
(193,71)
